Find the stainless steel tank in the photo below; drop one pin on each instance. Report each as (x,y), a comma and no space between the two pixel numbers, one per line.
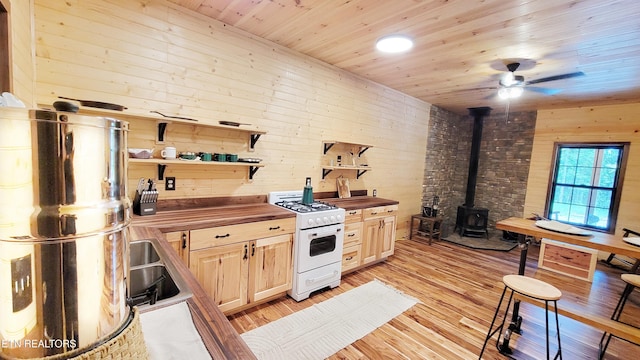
(64,217)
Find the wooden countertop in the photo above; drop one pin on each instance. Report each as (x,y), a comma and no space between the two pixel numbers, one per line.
(219,337)
(597,240)
(359,202)
(200,218)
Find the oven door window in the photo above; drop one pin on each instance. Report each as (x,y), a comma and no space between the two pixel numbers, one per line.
(322,245)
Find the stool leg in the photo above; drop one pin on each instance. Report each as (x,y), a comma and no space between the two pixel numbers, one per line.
(490,333)
(615,316)
(555,308)
(504,347)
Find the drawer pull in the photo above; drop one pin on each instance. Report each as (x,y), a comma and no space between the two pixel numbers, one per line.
(253,249)
(353,212)
(348,258)
(389,211)
(351,235)
(245,252)
(222,236)
(274,228)
(374,212)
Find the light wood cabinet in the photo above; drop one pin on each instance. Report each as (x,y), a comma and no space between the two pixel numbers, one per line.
(271,267)
(242,265)
(223,272)
(352,248)
(222,235)
(379,233)
(179,241)
(369,236)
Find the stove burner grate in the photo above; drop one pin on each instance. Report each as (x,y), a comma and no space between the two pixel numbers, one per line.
(298,206)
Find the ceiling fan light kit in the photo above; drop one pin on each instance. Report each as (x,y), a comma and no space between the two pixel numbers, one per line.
(394,43)
(510,92)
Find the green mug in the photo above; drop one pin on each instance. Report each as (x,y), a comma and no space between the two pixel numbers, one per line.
(232,157)
(205,156)
(220,157)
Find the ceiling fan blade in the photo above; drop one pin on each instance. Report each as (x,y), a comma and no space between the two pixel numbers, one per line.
(540,90)
(556,77)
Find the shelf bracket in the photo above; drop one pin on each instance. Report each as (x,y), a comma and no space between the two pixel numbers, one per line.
(327,147)
(162,129)
(360,173)
(161,169)
(326,172)
(362,150)
(252,171)
(253,141)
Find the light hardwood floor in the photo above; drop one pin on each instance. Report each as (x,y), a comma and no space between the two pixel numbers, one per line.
(458,289)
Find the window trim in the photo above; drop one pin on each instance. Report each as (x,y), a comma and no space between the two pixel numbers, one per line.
(5,48)
(618,186)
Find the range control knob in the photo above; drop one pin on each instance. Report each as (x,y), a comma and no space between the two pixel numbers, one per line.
(310,221)
(319,221)
(333,219)
(326,219)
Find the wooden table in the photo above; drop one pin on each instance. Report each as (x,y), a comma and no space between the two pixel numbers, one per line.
(599,241)
(432,227)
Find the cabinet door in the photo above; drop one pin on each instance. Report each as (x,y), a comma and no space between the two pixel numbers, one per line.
(223,272)
(271,266)
(372,229)
(179,241)
(387,239)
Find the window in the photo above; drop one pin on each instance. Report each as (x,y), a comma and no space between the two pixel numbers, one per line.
(586,184)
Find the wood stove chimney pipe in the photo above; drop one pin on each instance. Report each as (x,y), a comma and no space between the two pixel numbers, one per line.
(478,114)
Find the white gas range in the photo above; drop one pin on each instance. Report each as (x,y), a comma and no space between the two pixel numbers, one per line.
(317,254)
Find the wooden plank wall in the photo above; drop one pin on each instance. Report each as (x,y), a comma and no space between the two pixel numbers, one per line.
(22,50)
(588,124)
(152,55)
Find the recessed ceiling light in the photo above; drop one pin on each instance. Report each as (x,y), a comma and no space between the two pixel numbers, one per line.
(394,43)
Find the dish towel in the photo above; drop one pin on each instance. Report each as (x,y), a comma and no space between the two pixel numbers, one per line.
(169,333)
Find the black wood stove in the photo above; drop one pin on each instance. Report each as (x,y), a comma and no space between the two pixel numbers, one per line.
(471,220)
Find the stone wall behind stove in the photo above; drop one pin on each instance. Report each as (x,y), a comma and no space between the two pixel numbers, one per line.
(503,167)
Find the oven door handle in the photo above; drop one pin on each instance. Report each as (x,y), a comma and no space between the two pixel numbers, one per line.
(321,278)
(315,235)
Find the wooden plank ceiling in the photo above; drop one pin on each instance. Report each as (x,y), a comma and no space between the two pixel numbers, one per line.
(461,46)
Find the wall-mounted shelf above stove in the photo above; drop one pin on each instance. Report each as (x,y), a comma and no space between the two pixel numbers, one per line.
(349,149)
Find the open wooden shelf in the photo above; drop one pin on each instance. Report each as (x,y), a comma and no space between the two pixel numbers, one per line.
(162,122)
(360,170)
(162,164)
(328,144)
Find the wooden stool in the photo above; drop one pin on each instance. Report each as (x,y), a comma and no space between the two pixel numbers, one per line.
(532,288)
(632,281)
(428,227)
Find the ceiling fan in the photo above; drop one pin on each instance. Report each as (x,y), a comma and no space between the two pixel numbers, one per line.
(512,85)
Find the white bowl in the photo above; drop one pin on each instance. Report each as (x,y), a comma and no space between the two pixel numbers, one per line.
(140,153)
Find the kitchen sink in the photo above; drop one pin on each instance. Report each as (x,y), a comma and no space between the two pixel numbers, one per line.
(142,253)
(154,281)
(150,284)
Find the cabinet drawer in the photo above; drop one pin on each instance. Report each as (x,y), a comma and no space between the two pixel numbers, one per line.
(352,234)
(222,235)
(350,257)
(380,211)
(352,216)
